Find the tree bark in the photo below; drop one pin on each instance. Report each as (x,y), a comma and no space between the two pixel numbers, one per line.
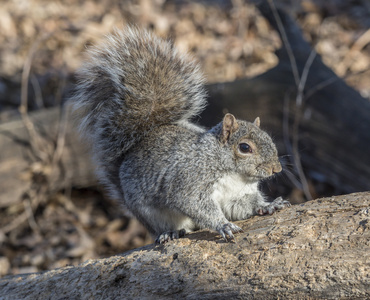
(319,249)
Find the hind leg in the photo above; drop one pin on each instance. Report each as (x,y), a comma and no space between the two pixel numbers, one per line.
(170,235)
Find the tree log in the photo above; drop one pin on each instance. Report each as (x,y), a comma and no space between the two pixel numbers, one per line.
(19,162)
(319,249)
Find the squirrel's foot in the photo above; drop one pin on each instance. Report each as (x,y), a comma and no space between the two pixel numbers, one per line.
(226,231)
(170,235)
(275,205)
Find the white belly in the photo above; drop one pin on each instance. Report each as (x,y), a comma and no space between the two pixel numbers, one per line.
(230,191)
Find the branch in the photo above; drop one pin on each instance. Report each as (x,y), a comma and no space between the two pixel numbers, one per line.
(293,254)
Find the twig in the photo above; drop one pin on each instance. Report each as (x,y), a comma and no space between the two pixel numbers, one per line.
(300,82)
(297,120)
(39,147)
(30,215)
(327,82)
(287,142)
(38,93)
(30,204)
(15,223)
(357,46)
(62,129)
(62,126)
(286,43)
(34,137)
(303,80)
(61,86)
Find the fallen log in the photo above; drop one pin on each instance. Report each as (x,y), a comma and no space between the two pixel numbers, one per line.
(20,166)
(319,249)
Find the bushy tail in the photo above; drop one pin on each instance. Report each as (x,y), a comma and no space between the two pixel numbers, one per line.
(130,84)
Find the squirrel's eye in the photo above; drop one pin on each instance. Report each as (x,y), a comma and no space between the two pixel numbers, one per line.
(245,148)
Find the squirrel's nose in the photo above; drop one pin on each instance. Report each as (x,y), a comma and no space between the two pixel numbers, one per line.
(276,168)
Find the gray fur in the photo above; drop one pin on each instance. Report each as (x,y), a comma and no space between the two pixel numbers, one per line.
(134,101)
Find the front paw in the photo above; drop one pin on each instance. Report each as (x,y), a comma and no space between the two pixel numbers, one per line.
(277,204)
(226,231)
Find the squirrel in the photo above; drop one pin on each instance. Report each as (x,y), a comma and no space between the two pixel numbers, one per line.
(134,101)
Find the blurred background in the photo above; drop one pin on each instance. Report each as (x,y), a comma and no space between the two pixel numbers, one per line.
(52,211)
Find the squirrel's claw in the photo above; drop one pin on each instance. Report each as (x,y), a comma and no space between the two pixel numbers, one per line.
(277,204)
(169,235)
(226,231)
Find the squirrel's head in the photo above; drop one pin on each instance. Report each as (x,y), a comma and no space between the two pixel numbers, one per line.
(253,150)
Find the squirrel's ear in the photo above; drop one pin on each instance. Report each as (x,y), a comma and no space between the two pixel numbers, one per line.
(257,122)
(229,126)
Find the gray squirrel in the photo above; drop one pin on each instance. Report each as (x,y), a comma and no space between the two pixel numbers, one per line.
(134,100)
